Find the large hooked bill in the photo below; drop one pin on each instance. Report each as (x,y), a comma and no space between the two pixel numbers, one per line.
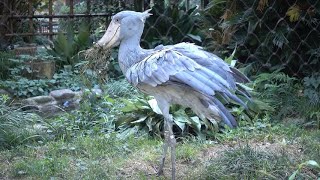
(111,37)
(102,49)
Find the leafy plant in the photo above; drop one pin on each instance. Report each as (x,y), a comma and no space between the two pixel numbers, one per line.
(312,94)
(281,92)
(271,36)
(171,25)
(120,88)
(141,113)
(22,87)
(67,78)
(6,63)
(310,163)
(312,88)
(91,118)
(66,47)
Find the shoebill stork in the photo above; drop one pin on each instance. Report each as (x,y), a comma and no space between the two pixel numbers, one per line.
(182,74)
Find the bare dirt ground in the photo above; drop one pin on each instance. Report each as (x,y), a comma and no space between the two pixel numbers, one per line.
(185,169)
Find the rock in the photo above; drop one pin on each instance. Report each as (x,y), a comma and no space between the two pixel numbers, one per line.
(30,108)
(50,110)
(57,102)
(97,92)
(28,102)
(78,94)
(72,104)
(38,100)
(62,94)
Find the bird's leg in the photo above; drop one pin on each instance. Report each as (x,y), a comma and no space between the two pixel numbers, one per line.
(172,143)
(165,148)
(169,141)
(169,136)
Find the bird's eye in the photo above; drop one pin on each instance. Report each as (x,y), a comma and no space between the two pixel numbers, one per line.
(117,20)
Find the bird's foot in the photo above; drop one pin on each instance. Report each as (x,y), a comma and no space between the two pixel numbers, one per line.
(160,172)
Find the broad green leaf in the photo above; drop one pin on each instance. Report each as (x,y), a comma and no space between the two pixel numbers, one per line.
(195,37)
(313,163)
(154,105)
(127,132)
(130,106)
(180,118)
(233,63)
(258,105)
(109,99)
(40,89)
(140,120)
(181,125)
(247,88)
(195,121)
(293,175)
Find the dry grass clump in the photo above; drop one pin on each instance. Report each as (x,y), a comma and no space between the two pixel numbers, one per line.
(97,61)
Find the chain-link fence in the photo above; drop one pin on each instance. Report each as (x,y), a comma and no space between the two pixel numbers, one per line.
(266,35)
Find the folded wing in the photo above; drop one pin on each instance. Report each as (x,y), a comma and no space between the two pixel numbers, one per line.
(192,66)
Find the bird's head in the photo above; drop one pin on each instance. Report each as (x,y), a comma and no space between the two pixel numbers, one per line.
(124,25)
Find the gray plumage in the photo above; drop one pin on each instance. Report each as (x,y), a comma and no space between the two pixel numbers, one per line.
(182,74)
(202,73)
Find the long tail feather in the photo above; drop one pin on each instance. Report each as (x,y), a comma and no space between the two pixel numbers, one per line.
(239,76)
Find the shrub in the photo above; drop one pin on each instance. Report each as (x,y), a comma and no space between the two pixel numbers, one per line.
(67,47)
(171,25)
(270,35)
(6,63)
(22,87)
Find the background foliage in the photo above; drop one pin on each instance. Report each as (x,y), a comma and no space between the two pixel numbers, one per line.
(269,35)
(274,44)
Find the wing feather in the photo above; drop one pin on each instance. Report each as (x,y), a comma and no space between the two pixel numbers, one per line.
(195,83)
(191,65)
(165,64)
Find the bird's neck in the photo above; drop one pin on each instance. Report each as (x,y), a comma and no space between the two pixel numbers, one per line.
(129,52)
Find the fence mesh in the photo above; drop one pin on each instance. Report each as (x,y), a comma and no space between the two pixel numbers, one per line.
(267,35)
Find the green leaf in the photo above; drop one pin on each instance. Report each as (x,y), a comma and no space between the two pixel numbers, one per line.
(129,106)
(40,89)
(140,120)
(258,106)
(127,132)
(230,60)
(196,123)
(293,175)
(109,99)
(195,37)
(154,105)
(180,118)
(313,163)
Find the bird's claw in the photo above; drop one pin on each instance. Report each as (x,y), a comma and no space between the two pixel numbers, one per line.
(160,173)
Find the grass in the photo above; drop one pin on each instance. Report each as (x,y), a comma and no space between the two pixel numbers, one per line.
(273,152)
(17,127)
